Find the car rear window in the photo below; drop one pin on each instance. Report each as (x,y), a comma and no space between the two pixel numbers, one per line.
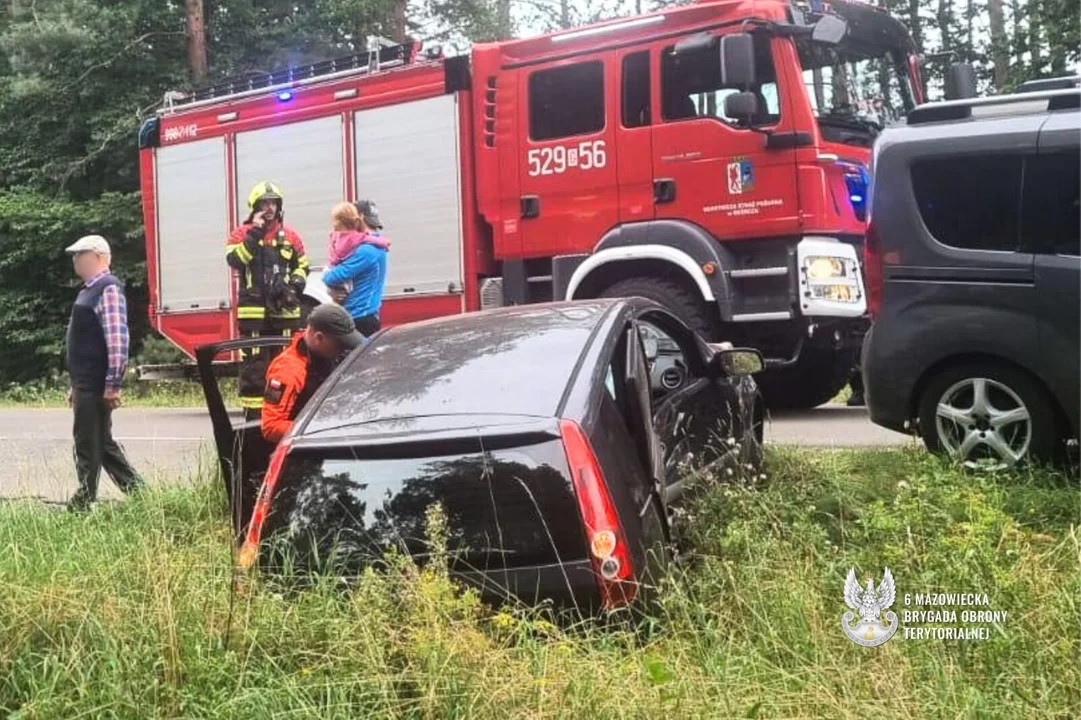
(505,508)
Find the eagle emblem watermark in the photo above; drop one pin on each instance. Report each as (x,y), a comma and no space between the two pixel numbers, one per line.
(869,603)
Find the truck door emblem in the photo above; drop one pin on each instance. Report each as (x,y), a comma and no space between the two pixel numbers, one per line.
(740,176)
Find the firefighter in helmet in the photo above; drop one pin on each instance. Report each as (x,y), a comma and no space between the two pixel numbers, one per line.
(272,266)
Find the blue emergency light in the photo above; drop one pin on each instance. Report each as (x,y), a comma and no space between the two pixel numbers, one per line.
(285,95)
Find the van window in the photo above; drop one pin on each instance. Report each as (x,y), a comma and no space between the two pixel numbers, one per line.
(566,101)
(1051,217)
(692,88)
(636,110)
(970,202)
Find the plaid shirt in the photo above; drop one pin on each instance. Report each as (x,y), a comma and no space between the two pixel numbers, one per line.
(112,311)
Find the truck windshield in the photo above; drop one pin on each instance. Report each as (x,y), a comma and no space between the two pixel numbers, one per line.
(855,89)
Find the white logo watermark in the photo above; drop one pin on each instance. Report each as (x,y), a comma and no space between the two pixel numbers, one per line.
(869,603)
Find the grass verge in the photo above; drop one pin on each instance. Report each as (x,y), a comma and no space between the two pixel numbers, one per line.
(127,612)
(158,394)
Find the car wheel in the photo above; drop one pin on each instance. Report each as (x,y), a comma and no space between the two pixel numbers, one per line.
(684,304)
(987,417)
(751,446)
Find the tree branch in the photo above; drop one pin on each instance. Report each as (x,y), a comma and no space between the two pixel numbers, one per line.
(105,63)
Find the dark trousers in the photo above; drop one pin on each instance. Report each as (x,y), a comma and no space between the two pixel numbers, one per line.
(95,449)
(368,325)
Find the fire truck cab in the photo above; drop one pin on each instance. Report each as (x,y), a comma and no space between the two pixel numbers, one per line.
(713,157)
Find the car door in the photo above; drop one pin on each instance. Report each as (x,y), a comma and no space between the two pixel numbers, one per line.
(694,420)
(1051,228)
(243,454)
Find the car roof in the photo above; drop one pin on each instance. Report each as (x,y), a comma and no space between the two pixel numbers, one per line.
(512,362)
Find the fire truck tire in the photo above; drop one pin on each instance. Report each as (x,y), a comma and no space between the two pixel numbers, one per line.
(815,379)
(682,302)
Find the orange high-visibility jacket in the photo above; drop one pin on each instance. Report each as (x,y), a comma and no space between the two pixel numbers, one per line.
(292,378)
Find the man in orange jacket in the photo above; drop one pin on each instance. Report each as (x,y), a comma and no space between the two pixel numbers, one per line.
(295,374)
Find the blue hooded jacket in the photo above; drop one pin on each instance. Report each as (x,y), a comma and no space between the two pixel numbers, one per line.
(366,268)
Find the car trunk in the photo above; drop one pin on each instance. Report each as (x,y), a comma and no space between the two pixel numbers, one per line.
(513,524)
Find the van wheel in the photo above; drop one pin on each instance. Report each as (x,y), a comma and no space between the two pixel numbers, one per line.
(682,303)
(988,417)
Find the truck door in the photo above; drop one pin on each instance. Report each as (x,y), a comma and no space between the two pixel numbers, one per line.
(635,136)
(567,157)
(708,168)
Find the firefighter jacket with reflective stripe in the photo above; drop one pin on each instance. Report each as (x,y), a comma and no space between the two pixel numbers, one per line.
(291,380)
(273,268)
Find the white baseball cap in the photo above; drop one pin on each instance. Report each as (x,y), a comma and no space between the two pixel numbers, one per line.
(90,243)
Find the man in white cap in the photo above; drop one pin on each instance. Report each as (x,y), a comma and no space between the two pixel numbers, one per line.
(97,354)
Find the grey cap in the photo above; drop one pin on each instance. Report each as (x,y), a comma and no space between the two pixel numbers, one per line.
(370,213)
(335,321)
(90,243)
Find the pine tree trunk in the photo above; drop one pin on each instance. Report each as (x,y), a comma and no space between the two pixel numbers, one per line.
(1035,26)
(1019,41)
(196,35)
(564,14)
(400,28)
(503,18)
(999,48)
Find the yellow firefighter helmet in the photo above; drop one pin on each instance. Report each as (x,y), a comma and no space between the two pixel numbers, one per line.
(265,190)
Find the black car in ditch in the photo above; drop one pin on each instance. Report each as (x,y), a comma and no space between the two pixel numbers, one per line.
(556,439)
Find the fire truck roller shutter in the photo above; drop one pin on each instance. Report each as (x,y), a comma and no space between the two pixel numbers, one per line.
(306,160)
(192,219)
(675,243)
(408,162)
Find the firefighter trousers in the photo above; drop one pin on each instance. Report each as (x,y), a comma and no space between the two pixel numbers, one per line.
(254,362)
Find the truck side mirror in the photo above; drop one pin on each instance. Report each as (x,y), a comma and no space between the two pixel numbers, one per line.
(737,60)
(829,29)
(741,106)
(960,81)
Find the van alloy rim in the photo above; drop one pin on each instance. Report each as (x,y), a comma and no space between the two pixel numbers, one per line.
(984,424)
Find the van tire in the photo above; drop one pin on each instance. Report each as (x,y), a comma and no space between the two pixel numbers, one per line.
(1035,398)
(673,295)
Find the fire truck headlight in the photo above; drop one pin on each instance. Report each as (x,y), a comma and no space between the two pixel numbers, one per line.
(824,268)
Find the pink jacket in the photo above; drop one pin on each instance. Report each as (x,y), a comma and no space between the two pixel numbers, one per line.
(344,242)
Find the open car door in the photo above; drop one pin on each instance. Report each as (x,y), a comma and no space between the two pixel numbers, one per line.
(243,454)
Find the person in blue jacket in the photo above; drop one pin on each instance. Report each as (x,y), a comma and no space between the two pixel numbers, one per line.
(365,271)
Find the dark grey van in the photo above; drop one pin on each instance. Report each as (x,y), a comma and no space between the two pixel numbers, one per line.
(973,275)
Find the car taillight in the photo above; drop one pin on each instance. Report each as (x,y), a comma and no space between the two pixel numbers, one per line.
(250,550)
(608,550)
(872,269)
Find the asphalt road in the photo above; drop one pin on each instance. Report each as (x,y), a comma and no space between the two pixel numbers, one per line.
(175,445)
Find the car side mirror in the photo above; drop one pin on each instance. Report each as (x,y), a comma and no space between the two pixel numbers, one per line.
(829,29)
(741,106)
(735,361)
(960,81)
(737,60)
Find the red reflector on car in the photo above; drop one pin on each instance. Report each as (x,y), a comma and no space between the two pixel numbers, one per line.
(609,552)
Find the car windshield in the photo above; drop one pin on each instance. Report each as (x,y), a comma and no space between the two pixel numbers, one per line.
(857,86)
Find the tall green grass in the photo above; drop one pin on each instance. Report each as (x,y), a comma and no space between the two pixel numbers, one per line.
(127,613)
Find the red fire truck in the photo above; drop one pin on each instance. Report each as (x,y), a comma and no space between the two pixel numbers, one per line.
(712,157)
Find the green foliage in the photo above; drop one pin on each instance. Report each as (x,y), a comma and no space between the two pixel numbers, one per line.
(38,283)
(128,612)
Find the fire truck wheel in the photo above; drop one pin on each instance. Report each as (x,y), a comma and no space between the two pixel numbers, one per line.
(683,303)
(814,379)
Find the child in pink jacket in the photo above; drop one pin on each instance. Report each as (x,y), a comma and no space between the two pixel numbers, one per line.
(350,231)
